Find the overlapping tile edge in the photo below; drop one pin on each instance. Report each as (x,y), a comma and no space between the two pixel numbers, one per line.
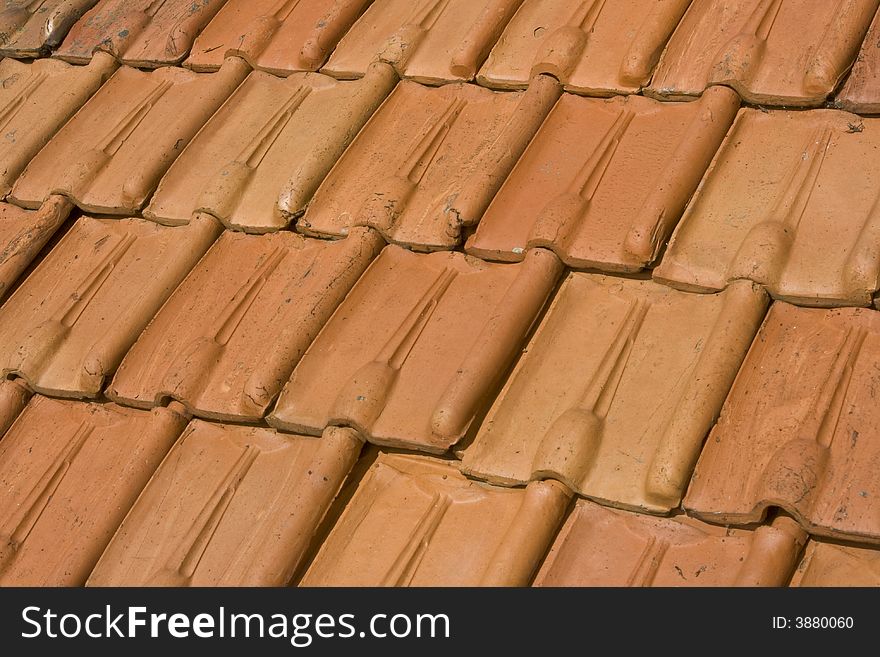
(13,398)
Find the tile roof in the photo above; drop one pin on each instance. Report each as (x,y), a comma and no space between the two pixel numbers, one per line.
(69,472)
(30,29)
(428,162)
(611,397)
(444,292)
(36,100)
(258,161)
(278,36)
(593,47)
(604,182)
(427,40)
(228,338)
(790,202)
(798,428)
(111,155)
(774,52)
(139,32)
(599,546)
(416,521)
(417,348)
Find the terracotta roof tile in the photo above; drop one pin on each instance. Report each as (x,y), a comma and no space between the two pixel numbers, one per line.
(429,162)
(230,505)
(36,99)
(279,36)
(594,47)
(23,233)
(861,93)
(417,348)
(770,51)
(604,182)
(14,396)
(617,390)
(139,32)
(791,202)
(598,546)
(258,161)
(29,29)
(66,328)
(69,472)
(428,40)
(828,564)
(464,533)
(111,155)
(798,429)
(227,340)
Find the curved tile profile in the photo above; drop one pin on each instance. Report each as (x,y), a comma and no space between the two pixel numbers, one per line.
(791,201)
(278,36)
(259,160)
(604,182)
(142,33)
(773,52)
(30,29)
(617,389)
(23,233)
(70,472)
(228,338)
(417,348)
(14,396)
(431,41)
(598,546)
(229,506)
(68,325)
(594,47)
(111,155)
(429,162)
(830,564)
(799,429)
(416,521)
(861,93)
(36,99)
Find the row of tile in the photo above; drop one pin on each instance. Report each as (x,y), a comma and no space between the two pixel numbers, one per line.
(412,349)
(788,52)
(788,198)
(112,496)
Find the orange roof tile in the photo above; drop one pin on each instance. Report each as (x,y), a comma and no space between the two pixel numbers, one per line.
(36,99)
(617,390)
(771,51)
(829,564)
(598,546)
(226,341)
(69,472)
(258,161)
(29,29)
(278,36)
(415,521)
(594,47)
(67,327)
(111,155)
(798,428)
(604,182)
(861,93)
(430,41)
(417,348)
(428,162)
(789,202)
(139,32)
(230,505)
